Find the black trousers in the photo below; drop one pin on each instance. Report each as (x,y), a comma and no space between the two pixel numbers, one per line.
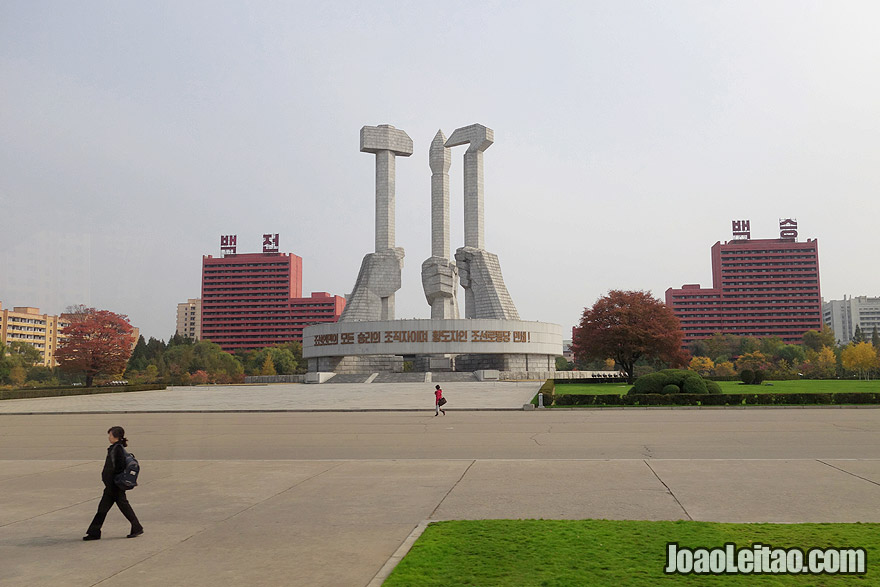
(113,494)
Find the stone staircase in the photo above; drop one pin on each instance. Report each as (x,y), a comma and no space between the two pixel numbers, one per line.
(451,377)
(400,378)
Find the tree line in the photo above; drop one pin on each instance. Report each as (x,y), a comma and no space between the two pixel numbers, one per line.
(639,334)
(97,347)
(183,361)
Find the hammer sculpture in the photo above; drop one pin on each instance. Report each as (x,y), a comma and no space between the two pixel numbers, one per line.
(373,295)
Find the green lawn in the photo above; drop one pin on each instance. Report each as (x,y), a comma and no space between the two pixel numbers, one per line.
(559,553)
(798,386)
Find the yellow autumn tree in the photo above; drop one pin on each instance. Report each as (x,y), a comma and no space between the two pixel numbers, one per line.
(755,360)
(859,357)
(268,366)
(724,369)
(702,365)
(826,362)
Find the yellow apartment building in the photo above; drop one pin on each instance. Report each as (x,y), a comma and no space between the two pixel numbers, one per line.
(26,324)
(189,319)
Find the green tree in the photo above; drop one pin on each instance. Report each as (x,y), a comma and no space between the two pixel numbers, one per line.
(793,354)
(563,364)
(699,348)
(858,335)
(39,373)
(155,348)
(15,358)
(26,354)
(875,339)
(771,346)
(18,375)
(626,326)
(139,359)
(815,340)
(284,360)
(151,373)
(721,345)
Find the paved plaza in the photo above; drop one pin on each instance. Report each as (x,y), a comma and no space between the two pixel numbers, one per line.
(288,397)
(297,498)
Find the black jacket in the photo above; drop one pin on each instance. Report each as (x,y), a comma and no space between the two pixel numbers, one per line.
(114,464)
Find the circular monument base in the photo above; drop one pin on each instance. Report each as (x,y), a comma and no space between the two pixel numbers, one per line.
(460,345)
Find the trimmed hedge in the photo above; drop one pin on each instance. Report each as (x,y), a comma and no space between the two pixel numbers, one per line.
(549,391)
(723,399)
(670,381)
(64,391)
(650,383)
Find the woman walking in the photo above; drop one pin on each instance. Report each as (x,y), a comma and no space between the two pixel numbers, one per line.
(439,400)
(113,465)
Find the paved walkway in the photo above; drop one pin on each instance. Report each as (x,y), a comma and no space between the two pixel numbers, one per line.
(287,397)
(327,498)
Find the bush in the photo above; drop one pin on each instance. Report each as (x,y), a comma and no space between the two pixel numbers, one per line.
(549,391)
(759,377)
(670,381)
(650,383)
(747,376)
(695,385)
(713,387)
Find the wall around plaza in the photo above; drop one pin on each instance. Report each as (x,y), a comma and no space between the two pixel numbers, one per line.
(275,379)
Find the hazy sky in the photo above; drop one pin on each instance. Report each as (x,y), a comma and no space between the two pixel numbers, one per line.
(628,135)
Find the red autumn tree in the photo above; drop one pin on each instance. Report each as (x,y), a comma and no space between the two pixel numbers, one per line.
(96,342)
(629,325)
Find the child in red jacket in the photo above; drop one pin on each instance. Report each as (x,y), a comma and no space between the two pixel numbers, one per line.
(439,400)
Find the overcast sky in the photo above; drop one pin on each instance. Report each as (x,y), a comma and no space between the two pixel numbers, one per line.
(628,135)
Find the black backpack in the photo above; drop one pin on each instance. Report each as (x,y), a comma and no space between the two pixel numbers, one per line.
(127,479)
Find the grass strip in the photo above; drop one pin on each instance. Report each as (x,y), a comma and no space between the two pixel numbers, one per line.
(793,386)
(556,553)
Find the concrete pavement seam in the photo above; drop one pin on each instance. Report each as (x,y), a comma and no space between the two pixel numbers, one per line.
(72,504)
(669,490)
(80,464)
(454,485)
(250,507)
(849,472)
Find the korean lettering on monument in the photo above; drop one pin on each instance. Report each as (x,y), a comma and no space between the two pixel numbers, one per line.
(423,336)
